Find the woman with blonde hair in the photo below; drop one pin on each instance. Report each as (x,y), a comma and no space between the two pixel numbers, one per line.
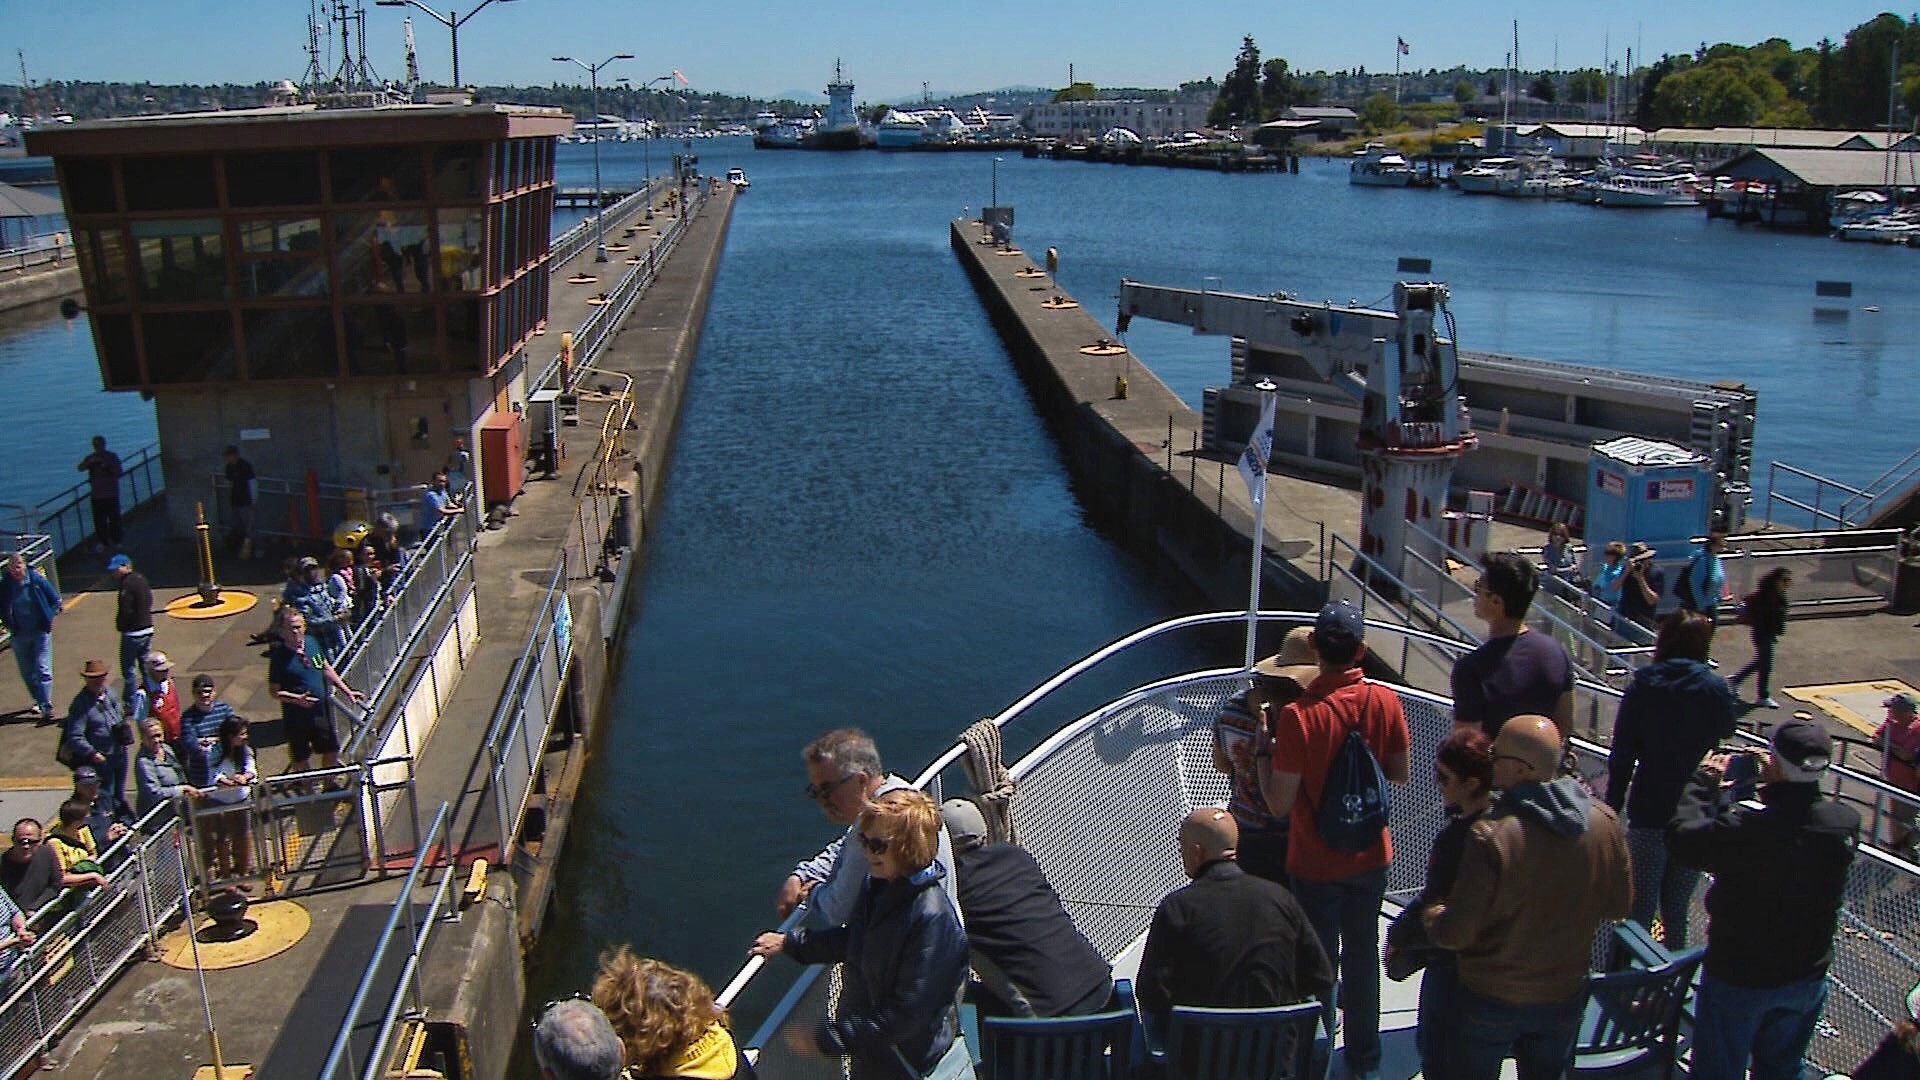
(666,1020)
(904,951)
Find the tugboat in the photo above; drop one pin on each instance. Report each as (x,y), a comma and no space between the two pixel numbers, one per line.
(840,128)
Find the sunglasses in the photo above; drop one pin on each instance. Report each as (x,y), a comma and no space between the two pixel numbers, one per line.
(876,845)
(823,792)
(25,841)
(549,1006)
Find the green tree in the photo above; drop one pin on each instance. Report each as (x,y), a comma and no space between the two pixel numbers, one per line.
(1279,90)
(1462,92)
(1379,113)
(1586,86)
(1543,89)
(1730,90)
(1080,91)
(1493,86)
(1239,98)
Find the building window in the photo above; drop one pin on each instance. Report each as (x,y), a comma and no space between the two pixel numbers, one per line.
(181,260)
(376,174)
(169,183)
(280,178)
(290,343)
(282,257)
(383,252)
(105,253)
(460,264)
(459,172)
(391,339)
(464,345)
(113,337)
(87,186)
(189,346)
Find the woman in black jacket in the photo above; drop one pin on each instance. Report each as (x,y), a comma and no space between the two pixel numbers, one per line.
(1675,710)
(904,950)
(1764,610)
(1463,771)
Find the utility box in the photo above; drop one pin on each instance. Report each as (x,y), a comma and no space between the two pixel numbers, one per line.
(503,458)
(543,430)
(1640,489)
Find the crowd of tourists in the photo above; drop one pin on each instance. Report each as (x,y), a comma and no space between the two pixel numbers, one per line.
(1288,879)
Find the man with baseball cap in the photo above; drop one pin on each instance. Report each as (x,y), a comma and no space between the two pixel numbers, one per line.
(134,620)
(1243,726)
(199,729)
(1031,959)
(1340,887)
(1899,741)
(1779,867)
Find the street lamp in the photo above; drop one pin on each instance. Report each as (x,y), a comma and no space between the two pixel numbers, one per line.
(994,198)
(599,207)
(646,146)
(452,20)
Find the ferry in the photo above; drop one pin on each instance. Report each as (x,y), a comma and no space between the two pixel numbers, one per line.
(1097,802)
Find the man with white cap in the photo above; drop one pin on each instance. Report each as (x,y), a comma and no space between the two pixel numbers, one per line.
(1029,956)
(1779,867)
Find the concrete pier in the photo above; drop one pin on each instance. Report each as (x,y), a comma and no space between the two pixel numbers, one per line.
(281,1014)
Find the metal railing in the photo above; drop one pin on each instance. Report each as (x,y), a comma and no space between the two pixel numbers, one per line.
(384,993)
(86,937)
(1834,505)
(66,519)
(46,249)
(523,720)
(435,597)
(580,237)
(1149,745)
(302,831)
(1850,568)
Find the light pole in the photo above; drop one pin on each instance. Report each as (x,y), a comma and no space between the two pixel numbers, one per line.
(599,206)
(993,199)
(646,146)
(452,20)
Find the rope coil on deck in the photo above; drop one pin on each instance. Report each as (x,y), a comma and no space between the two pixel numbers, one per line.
(987,772)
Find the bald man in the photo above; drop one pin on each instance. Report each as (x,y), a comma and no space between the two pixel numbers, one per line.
(1542,872)
(1229,939)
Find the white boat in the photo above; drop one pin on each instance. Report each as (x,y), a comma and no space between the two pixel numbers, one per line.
(1885,229)
(1626,190)
(1376,166)
(900,131)
(1484,178)
(738,178)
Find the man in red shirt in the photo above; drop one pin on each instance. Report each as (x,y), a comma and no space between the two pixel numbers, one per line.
(1899,742)
(1341,890)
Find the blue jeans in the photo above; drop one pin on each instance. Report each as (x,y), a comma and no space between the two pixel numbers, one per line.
(1662,885)
(1772,1026)
(134,646)
(1345,913)
(1439,1016)
(33,651)
(1539,1038)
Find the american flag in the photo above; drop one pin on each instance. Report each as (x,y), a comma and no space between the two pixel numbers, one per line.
(1404,47)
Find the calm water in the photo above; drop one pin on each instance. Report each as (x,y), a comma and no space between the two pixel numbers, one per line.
(864,522)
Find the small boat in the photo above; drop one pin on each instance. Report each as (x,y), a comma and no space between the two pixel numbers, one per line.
(1376,166)
(1484,178)
(738,178)
(1672,189)
(1884,229)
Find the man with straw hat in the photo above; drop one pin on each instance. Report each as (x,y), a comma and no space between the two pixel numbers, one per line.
(1240,733)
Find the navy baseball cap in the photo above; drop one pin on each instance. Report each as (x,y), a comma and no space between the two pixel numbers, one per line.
(1340,621)
(118,562)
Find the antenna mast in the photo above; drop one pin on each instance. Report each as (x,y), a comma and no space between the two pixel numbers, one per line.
(313,78)
(413,57)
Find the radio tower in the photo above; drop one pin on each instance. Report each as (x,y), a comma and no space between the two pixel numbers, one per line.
(313,78)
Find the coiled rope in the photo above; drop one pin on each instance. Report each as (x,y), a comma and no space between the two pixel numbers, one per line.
(987,772)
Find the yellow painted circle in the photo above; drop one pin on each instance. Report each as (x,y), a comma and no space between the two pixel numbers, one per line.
(1103,350)
(280,924)
(231,602)
(1059,305)
(1009,251)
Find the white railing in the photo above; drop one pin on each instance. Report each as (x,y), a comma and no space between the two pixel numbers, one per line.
(1098,800)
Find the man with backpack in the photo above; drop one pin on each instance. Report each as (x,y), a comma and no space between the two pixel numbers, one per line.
(1332,754)
(1542,871)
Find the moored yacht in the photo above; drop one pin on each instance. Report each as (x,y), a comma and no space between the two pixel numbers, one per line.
(1376,166)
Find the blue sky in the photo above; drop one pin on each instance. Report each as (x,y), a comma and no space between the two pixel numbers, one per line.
(773,47)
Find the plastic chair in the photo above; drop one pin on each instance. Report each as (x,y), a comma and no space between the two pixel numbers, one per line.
(1242,1044)
(1632,1019)
(1098,1046)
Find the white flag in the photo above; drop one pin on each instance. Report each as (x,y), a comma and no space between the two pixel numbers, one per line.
(1253,459)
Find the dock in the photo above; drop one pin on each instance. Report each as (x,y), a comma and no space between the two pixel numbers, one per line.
(486,657)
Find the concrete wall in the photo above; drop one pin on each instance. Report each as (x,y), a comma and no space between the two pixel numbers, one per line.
(31,286)
(343,432)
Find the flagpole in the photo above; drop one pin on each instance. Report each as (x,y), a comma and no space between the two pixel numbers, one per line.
(1253,465)
(193,939)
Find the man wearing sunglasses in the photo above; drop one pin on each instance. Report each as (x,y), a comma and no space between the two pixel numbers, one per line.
(29,872)
(844,774)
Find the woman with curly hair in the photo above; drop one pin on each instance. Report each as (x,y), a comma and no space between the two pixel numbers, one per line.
(666,1020)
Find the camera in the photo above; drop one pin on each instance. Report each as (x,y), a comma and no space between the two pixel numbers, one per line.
(1743,774)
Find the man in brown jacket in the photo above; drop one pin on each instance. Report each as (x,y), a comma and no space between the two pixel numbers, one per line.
(1542,872)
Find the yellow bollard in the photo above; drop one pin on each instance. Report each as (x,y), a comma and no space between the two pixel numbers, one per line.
(1120,387)
(209,589)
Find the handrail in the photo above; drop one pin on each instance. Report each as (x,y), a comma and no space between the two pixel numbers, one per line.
(1911,463)
(402,908)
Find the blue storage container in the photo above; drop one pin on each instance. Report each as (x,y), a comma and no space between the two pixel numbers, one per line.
(1640,489)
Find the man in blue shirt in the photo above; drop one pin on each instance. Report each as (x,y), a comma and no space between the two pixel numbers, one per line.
(1706,576)
(28,604)
(200,729)
(436,504)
